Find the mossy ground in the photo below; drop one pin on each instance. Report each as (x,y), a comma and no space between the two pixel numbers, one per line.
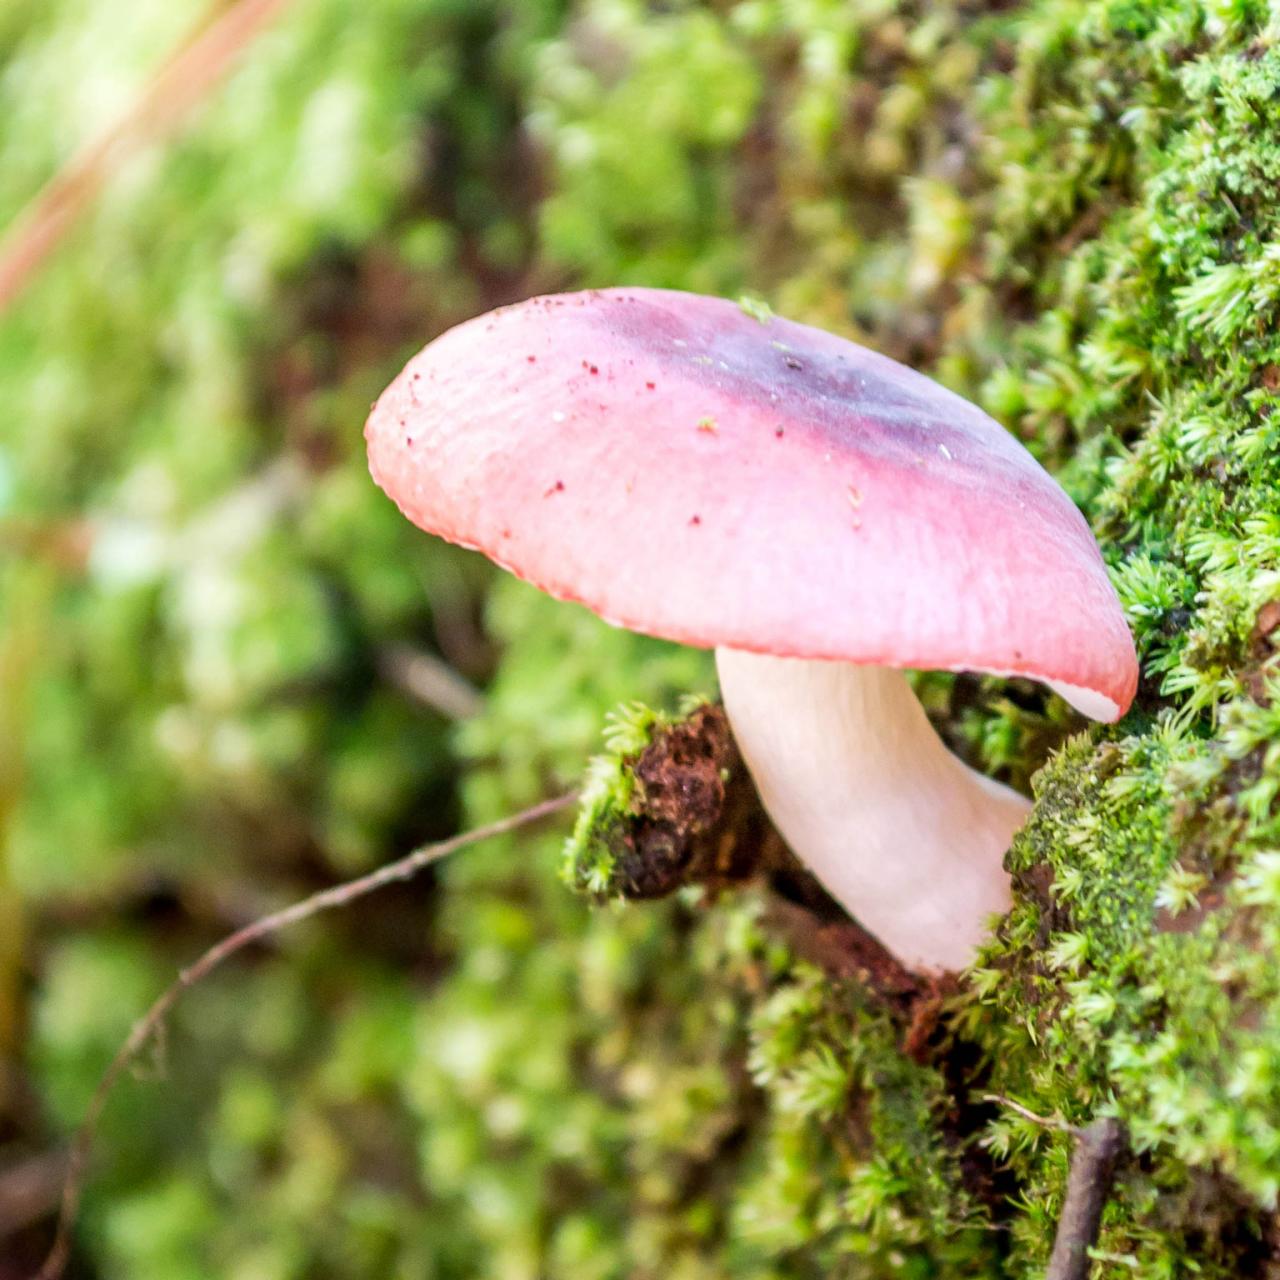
(1111,307)
(1063,208)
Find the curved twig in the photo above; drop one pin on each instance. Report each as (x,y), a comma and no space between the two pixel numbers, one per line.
(151,1023)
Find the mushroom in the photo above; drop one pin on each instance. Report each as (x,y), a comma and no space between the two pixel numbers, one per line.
(821,516)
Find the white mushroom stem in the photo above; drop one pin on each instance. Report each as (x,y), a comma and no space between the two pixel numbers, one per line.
(907,837)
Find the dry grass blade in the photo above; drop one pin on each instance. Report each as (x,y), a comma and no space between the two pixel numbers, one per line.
(191,72)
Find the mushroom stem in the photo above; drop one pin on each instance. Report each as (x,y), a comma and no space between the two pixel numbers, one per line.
(906,837)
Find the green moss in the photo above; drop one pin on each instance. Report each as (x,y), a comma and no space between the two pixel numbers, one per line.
(1064,209)
(1120,190)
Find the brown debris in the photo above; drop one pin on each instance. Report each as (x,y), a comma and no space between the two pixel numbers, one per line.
(1264,642)
(681,776)
(926,1015)
(1190,919)
(844,949)
(701,822)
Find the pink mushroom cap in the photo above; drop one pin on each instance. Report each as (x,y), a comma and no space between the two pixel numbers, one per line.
(690,471)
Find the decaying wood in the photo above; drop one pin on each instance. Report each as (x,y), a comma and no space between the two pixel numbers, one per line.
(700,821)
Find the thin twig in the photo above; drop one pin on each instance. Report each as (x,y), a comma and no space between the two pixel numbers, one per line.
(1098,1147)
(191,72)
(1045,1122)
(151,1022)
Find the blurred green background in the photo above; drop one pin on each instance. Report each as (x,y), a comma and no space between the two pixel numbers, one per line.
(231,674)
